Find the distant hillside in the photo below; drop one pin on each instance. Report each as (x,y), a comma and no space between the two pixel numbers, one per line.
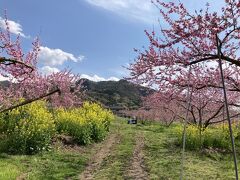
(116,94)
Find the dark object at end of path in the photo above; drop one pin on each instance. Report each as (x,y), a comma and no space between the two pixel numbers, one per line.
(132,121)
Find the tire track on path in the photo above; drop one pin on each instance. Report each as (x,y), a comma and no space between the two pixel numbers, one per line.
(96,160)
(137,169)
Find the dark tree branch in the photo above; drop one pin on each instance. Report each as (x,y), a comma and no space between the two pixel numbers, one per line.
(31,100)
(7,61)
(215,122)
(213,116)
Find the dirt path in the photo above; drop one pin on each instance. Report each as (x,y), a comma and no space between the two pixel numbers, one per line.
(137,169)
(97,159)
(22,176)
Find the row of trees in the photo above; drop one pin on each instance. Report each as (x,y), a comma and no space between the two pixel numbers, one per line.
(183,56)
(194,61)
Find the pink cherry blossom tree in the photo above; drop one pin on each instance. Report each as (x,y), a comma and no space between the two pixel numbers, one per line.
(61,89)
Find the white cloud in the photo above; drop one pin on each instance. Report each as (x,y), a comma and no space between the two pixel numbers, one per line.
(96,78)
(113,79)
(2,78)
(14,27)
(49,70)
(81,57)
(8,77)
(52,57)
(142,10)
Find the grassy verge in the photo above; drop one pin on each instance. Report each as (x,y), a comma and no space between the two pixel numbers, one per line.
(60,163)
(163,158)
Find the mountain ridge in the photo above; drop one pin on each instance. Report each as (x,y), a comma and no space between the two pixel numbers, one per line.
(120,94)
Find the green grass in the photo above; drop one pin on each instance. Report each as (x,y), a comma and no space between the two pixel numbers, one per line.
(57,164)
(115,165)
(162,158)
(9,169)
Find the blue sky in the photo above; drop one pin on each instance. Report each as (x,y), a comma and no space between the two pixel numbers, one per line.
(91,37)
